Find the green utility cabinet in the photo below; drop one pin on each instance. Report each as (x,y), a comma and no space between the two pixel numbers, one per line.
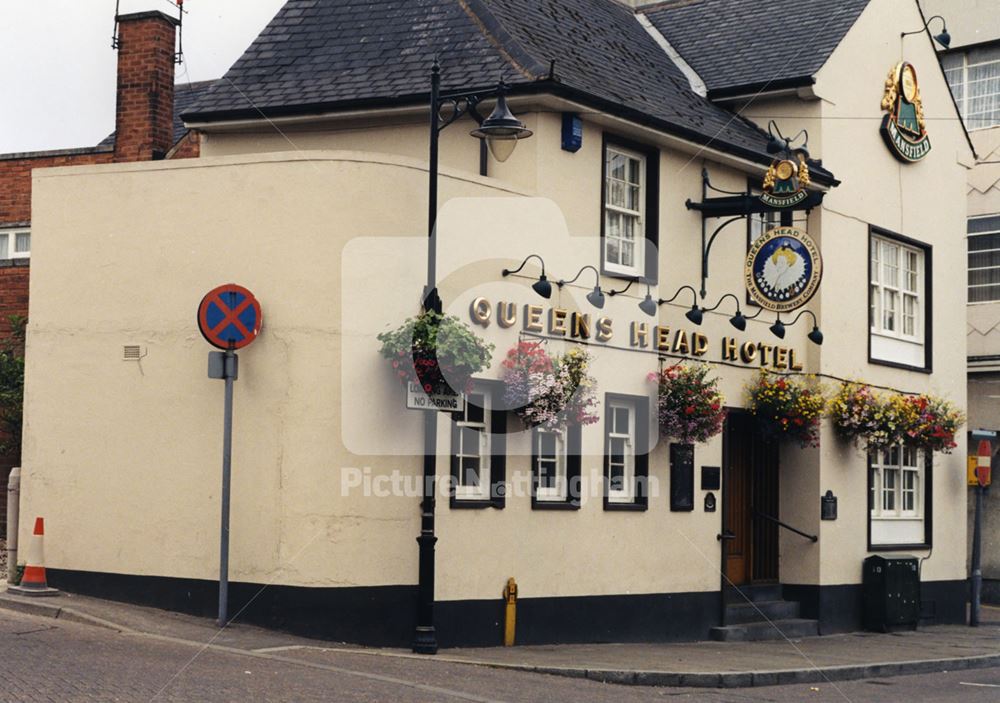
(891,593)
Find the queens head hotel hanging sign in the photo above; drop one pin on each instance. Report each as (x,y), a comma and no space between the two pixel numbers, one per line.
(903,128)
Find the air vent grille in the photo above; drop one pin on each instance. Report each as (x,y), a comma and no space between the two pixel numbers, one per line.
(132,352)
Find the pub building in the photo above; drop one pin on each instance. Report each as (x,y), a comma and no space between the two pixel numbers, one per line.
(693,183)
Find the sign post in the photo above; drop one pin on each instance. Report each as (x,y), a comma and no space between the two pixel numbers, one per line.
(982,480)
(229,318)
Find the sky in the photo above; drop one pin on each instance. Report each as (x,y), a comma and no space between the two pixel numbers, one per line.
(57,73)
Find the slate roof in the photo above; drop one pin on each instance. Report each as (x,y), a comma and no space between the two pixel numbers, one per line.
(185,95)
(325,55)
(741,45)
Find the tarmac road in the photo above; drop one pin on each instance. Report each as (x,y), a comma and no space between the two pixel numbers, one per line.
(42,659)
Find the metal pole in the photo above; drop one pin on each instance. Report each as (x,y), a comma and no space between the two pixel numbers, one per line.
(977,558)
(425,636)
(227,457)
(13,510)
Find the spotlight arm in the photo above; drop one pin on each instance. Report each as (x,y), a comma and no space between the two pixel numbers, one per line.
(944,27)
(676,295)
(801,313)
(529,257)
(739,308)
(632,281)
(579,273)
(706,248)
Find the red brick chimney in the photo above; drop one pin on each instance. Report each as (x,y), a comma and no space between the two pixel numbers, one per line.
(144,125)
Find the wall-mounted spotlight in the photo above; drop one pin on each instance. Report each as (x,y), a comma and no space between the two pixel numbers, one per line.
(815,336)
(649,306)
(594,297)
(944,39)
(739,320)
(542,286)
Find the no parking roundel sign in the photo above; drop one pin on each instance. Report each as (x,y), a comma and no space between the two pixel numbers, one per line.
(229,317)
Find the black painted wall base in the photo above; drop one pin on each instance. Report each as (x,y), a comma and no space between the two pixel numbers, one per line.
(384,615)
(839,608)
(991,591)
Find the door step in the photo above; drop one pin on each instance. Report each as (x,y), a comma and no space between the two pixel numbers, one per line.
(793,628)
(761,611)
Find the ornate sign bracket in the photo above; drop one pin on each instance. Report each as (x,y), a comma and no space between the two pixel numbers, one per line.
(735,206)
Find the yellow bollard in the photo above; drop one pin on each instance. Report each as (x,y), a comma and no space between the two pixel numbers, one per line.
(510,619)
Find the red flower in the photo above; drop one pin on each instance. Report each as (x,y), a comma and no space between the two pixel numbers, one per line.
(689,410)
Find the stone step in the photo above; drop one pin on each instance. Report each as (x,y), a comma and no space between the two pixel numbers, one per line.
(761,611)
(760,631)
(755,592)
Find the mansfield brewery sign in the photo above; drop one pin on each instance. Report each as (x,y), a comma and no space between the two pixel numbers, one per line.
(783,269)
(904,129)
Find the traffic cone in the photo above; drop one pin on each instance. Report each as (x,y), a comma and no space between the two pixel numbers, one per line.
(33,582)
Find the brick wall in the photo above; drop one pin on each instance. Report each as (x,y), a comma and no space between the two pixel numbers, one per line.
(188,148)
(15,178)
(145,112)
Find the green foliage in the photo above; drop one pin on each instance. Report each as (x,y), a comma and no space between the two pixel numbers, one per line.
(12,386)
(435,350)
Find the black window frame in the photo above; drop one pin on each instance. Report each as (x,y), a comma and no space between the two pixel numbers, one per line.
(927,302)
(498,453)
(928,516)
(574,447)
(640,498)
(651,229)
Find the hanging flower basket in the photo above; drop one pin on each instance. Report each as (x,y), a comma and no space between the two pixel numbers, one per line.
(438,352)
(787,408)
(879,421)
(857,414)
(934,423)
(689,405)
(549,392)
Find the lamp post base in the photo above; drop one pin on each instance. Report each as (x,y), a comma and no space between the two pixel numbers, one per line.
(425,640)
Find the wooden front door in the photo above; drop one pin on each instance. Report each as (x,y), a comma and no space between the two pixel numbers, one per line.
(750,490)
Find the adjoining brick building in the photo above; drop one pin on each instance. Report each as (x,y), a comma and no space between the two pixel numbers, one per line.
(147,127)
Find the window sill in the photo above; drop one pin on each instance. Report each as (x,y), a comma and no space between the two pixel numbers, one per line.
(554,504)
(625,507)
(897,365)
(471,503)
(897,547)
(15,263)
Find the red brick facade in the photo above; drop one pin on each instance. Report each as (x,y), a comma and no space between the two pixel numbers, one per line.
(15,179)
(144,121)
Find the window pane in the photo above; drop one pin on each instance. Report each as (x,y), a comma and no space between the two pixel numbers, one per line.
(470,441)
(474,408)
(621,423)
(889,490)
(616,455)
(4,251)
(469,475)
(990,225)
(889,311)
(613,250)
(984,294)
(22,244)
(635,172)
(984,259)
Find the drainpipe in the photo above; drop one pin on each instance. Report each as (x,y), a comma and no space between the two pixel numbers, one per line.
(13,504)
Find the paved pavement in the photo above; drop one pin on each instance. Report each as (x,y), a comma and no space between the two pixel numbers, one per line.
(162,644)
(46,659)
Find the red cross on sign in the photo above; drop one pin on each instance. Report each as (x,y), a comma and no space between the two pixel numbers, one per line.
(229,317)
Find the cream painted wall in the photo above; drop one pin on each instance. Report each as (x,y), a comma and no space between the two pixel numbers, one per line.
(924,201)
(314,234)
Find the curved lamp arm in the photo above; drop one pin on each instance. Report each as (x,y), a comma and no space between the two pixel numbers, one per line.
(676,295)
(579,273)
(508,272)
(722,300)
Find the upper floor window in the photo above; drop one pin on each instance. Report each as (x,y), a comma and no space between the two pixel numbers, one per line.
(898,305)
(629,209)
(984,259)
(15,244)
(974,77)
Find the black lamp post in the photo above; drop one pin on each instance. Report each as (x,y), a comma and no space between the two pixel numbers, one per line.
(501,131)
(944,39)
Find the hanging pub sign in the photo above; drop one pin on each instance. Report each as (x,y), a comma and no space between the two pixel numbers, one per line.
(783,269)
(904,129)
(785,183)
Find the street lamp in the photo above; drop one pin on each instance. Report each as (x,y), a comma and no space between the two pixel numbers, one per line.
(501,131)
